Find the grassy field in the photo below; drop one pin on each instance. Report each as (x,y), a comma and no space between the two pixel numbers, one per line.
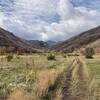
(94,65)
(33,73)
(34,77)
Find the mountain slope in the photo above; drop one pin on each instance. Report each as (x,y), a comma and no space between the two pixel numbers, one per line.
(51,43)
(38,44)
(78,41)
(41,44)
(95,44)
(8,39)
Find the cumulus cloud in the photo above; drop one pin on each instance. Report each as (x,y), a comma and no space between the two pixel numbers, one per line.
(47,19)
(1,19)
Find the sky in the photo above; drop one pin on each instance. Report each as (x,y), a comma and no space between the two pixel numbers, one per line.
(54,20)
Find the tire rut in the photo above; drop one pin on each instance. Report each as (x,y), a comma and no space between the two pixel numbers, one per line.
(77,85)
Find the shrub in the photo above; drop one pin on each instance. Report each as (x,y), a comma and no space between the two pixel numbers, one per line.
(64,56)
(89,52)
(51,57)
(9,57)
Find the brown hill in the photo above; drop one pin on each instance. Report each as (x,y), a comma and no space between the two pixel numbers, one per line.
(79,41)
(9,40)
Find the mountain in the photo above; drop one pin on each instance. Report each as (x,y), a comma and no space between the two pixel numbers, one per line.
(38,44)
(41,44)
(89,37)
(51,43)
(9,40)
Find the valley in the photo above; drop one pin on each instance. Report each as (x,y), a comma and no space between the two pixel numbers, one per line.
(49,49)
(38,70)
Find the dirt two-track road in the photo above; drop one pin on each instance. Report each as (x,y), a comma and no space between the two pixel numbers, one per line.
(79,83)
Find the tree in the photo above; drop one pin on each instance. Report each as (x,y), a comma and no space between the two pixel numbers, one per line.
(89,52)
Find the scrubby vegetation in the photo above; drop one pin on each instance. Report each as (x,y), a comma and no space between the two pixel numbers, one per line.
(9,57)
(51,57)
(89,52)
(64,56)
(34,77)
(30,73)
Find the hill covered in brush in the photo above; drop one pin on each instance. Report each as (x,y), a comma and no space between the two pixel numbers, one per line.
(90,37)
(9,40)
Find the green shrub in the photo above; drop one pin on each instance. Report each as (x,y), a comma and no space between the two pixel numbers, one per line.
(9,57)
(64,56)
(51,57)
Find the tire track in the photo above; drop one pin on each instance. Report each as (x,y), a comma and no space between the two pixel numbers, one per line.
(75,83)
(79,83)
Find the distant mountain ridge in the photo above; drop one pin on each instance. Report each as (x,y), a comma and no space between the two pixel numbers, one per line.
(38,44)
(51,43)
(79,41)
(9,40)
(41,44)
(88,38)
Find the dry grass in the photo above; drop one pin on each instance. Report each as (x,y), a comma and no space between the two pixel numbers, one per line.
(37,77)
(34,74)
(94,65)
(76,81)
(19,94)
(44,80)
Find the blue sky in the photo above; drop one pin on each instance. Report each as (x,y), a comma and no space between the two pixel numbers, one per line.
(49,19)
(91,4)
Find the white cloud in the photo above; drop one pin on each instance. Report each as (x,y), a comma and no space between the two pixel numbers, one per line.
(48,19)
(66,9)
(1,19)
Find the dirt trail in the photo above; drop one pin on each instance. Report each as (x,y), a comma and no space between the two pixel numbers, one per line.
(79,83)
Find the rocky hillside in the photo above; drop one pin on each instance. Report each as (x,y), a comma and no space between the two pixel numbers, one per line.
(41,44)
(51,43)
(38,44)
(91,36)
(8,39)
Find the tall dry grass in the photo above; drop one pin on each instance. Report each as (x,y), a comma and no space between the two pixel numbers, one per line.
(20,94)
(44,79)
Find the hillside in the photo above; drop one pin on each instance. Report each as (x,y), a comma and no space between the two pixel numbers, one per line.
(95,44)
(8,39)
(51,43)
(79,41)
(38,44)
(41,44)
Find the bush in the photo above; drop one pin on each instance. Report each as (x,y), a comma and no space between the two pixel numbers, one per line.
(89,52)
(9,57)
(51,57)
(64,56)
